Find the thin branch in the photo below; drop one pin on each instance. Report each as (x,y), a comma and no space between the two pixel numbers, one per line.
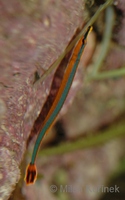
(109,74)
(106,39)
(91,21)
(114,131)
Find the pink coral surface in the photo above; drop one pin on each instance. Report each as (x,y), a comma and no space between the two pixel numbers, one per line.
(32,36)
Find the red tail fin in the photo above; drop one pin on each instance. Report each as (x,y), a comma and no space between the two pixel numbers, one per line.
(31,174)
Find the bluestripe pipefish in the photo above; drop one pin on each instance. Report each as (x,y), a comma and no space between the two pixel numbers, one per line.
(55,85)
(31,171)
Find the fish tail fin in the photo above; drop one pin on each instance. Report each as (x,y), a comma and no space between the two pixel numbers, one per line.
(31,174)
